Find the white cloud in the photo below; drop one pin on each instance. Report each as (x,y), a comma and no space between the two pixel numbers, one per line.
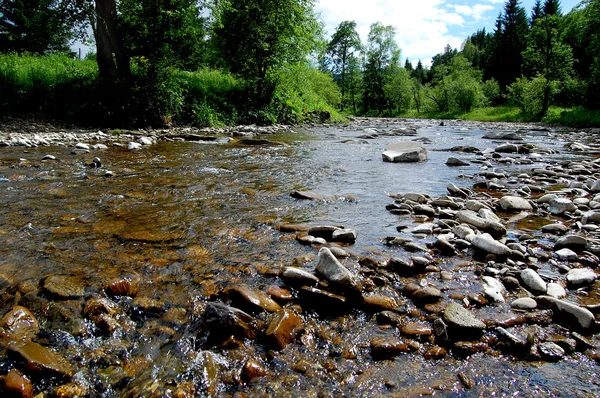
(424,27)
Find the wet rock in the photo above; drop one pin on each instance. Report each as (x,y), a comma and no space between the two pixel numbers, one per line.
(333,271)
(387,347)
(18,324)
(566,255)
(556,229)
(310,195)
(102,312)
(581,277)
(452,161)
(486,243)
(405,151)
(551,351)
(42,359)
(63,286)
(389,318)
(283,327)
(524,303)
(458,317)
(380,302)
(323,231)
(436,352)
(416,330)
(515,203)
(280,294)
(533,280)
(573,242)
(323,300)
(559,206)
(252,300)
(17,385)
(299,276)
(507,148)
(494,228)
(427,295)
(127,285)
(71,390)
(344,235)
(404,267)
(503,136)
(573,315)
(252,370)
(146,306)
(224,321)
(493,289)
(555,290)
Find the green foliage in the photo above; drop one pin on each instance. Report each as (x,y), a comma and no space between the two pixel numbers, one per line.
(528,95)
(398,88)
(56,84)
(383,56)
(254,39)
(33,26)
(344,65)
(456,87)
(303,92)
(576,117)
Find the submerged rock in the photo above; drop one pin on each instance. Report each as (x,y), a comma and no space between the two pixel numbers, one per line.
(283,327)
(18,385)
(455,315)
(224,321)
(63,286)
(18,324)
(42,359)
(251,299)
(387,347)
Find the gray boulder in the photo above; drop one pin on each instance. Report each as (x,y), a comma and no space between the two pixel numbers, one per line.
(334,272)
(572,314)
(515,203)
(486,243)
(408,151)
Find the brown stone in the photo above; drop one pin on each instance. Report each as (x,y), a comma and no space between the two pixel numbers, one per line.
(70,390)
(252,369)
(42,359)
(102,312)
(415,329)
(283,327)
(387,347)
(19,324)
(380,302)
(280,294)
(63,286)
(427,295)
(435,353)
(18,385)
(127,285)
(252,300)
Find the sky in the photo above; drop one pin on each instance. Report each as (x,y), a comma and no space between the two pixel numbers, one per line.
(423,27)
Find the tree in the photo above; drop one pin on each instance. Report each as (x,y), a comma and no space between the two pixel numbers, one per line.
(551,7)
(505,59)
(408,65)
(536,12)
(548,57)
(344,43)
(33,26)
(382,52)
(420,73)
(253,38)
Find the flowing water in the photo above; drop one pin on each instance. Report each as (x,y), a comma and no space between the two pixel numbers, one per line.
(192,219)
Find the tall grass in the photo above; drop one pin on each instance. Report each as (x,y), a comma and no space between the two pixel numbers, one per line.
(54,84)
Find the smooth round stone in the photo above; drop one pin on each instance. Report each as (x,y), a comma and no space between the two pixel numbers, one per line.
(524,303)
(566,255)
(581,276)
(555,290)
(415,329)
(456,315)
(533,280)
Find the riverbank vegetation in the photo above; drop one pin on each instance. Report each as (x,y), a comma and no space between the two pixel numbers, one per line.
(220,62)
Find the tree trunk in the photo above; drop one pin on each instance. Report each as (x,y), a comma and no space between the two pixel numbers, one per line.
(113,64)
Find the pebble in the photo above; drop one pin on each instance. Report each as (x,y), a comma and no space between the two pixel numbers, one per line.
(524,303)
(533,280)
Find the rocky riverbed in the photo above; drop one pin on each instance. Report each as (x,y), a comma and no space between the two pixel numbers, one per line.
(274,261)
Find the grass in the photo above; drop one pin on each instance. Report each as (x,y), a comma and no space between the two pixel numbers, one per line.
(573,117)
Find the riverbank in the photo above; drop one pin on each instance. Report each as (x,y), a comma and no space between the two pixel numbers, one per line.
(304,265)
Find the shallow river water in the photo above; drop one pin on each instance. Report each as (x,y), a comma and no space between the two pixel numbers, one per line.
(191,219)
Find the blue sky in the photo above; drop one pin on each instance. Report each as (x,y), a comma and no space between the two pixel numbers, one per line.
(424,27)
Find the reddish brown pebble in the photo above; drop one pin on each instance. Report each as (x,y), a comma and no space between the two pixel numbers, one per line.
(17,384)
